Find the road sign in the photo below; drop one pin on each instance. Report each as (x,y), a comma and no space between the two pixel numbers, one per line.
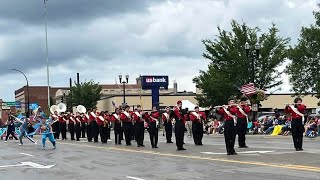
(255,107)
(30,164)
(10,104)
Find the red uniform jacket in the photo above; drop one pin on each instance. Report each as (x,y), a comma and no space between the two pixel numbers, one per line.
(125,118)
(154,116)
(70,119)
(246,109)
(233,110)
(137,118)
(107,117)
(62,119)
(178,114)
(114,119)
(78,119)
(194,117)
(92,118)
(165,118)
(300,107)
(99,121)
(85,119)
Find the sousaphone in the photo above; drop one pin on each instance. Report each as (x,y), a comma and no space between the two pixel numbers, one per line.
(62,107)
(81,109)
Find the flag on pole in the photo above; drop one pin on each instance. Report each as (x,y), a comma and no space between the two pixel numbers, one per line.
(114,105)
(248,89)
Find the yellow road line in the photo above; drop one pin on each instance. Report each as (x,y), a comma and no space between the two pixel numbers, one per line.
(284,166)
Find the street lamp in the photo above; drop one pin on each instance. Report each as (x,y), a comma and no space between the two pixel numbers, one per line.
(28,97)
(124,82)
(47,56)
(253,56)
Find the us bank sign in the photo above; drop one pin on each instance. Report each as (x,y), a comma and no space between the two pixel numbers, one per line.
(154,81)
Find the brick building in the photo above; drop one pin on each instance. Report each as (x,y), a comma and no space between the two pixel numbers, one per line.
(38,94)
(4,110)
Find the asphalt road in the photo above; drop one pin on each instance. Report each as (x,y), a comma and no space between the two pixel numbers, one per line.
(267,158)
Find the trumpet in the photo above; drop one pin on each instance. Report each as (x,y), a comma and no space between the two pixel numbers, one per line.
(215,107)
(291,103)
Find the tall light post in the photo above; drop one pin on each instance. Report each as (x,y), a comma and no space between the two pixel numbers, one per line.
(47,56)
(28,97)
(124,82)
(253,56)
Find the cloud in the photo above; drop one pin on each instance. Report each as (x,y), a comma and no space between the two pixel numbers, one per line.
(100,40)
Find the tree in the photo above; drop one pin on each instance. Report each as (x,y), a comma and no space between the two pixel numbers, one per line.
(230,68)
(305,60)
(86,94)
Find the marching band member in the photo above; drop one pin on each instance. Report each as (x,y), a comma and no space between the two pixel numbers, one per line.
(78,126)
(115,117)
(126,118)
(166,119)
(55,126)
(71,123)
(102,129)
(46,131)
(153,127)
(297,111)
(89,130)
(84,121)
(63,126)
(197,119)
(179,126)
(228,114)
(94,125)
(242,122)
(107,124)
(138,117)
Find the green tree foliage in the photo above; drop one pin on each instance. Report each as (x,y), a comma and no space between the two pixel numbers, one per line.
(230,68)
(86,94)
(304,70)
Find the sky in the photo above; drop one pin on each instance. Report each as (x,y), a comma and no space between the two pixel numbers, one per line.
(104,38)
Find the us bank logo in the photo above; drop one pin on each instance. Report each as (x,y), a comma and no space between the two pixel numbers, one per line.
(156,80)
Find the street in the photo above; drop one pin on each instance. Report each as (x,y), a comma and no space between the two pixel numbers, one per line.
(268,157)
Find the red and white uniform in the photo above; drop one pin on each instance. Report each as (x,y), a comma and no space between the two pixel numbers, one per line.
(115,118)
(300,107)
(137,117)
(100,120)
(154,116)
(197,117)
(179,115)
(71,120)
(126,116)
(166,117)
(246,109)
(232,109)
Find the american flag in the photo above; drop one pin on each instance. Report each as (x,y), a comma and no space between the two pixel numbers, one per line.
(248,89)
